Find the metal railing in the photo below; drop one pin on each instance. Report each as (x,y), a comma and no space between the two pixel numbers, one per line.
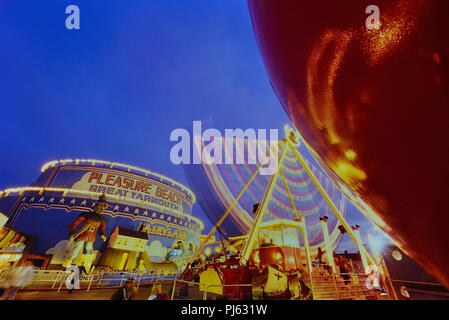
(47,276)
(51,278)
(119,278)
(341,286)
(89,279)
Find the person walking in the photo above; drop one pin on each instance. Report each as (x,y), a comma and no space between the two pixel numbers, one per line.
(17,278)
(126,292)
(157,293)
(131,290)
(341,263)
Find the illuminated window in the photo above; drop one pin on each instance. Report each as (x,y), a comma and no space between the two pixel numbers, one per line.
(396,255)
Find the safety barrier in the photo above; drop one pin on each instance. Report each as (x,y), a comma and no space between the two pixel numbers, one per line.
(120,278)
(185,290)
(341,286)
(83,280)
(227,291)
(46,277)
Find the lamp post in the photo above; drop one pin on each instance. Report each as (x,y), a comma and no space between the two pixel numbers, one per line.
(360,247)
(329,250)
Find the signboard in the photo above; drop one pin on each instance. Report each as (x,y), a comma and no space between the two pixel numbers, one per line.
(158,230)
(130,188)
(128,243)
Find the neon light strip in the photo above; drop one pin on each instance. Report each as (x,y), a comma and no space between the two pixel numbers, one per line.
(330,257)
(109,213)
(279,222)
(121,165)
(162,209)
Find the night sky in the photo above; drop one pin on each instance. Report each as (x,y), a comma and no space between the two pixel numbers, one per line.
(116,88)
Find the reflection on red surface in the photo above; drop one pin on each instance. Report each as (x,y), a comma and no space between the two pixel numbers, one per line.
(373,104)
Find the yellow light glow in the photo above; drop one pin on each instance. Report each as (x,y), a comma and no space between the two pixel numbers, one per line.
(256,257)
(278,256)
(10,257)
(236,238)
(349,173)
(350,154)
(281,222)
(291,135)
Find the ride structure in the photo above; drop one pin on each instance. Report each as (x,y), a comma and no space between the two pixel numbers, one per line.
(276,256)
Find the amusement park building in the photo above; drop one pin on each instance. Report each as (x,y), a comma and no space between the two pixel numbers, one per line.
(149,219)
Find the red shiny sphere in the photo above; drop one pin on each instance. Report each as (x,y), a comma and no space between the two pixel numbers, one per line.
(373,101)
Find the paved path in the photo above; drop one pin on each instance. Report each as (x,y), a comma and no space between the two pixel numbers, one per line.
(93,294)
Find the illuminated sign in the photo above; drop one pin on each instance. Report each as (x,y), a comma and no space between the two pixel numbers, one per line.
(128,243)
(164,231)
(130,188)
(127,239)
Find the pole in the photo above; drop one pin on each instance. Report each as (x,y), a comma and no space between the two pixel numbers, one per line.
(330,257)
(300,218)
(360,245)
(221,239)
(261,210)
(307,249)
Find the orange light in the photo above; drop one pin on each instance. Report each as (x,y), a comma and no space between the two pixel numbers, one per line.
(278,256)
(350,154)
(256,257)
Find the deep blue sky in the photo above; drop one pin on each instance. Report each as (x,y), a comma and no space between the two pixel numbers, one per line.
(116,88)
